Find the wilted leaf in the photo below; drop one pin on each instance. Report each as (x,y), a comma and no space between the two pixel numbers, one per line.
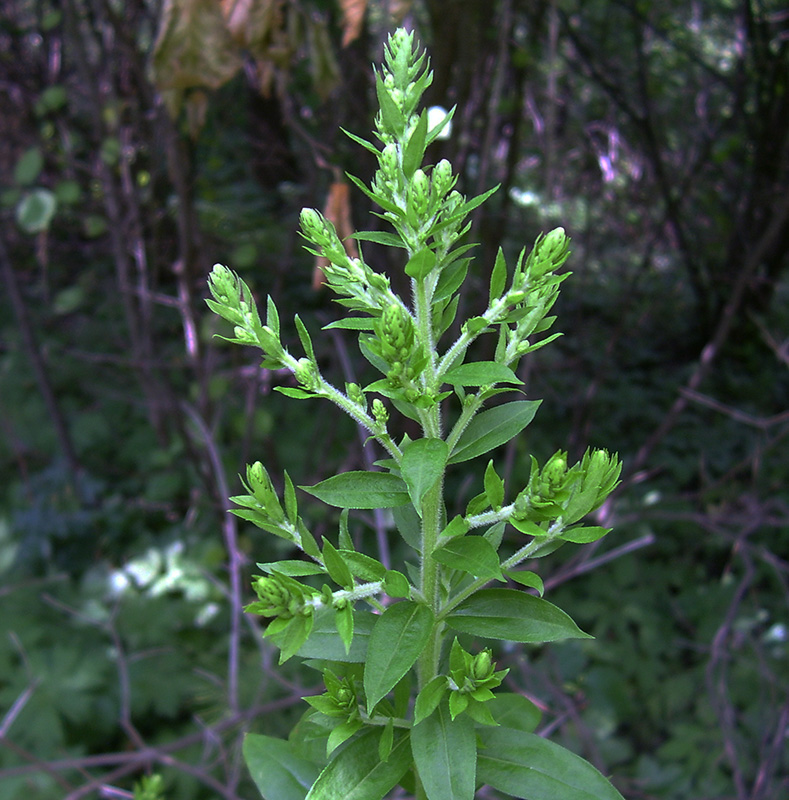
(352,19)
(193,48)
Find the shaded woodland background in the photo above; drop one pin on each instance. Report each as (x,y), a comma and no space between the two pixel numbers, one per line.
(143,140)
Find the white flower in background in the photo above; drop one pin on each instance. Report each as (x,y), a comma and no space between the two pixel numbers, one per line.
(435,116)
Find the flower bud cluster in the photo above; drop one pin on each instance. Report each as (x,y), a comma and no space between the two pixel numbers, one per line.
(307,374)
(547,491)
(404,78)
(380,414)
(556,492)
(340,700)
(471,681)
(347,276)
(395,331)
(355,394)
(233,301)
(443,181)
(418,194)
(282,597)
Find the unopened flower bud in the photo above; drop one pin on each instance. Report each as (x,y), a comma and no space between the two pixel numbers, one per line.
(388,162)
(554,247)
(355,394)
(555,469)
(483,665)
(380,414)
(419,192)
(442,178)
(307,373)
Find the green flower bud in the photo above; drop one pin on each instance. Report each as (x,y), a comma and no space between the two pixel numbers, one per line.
(355,394)
(442,178)
(307,374)
(554,471)
(242,334)
(482,666)
(389,163)
(223,284)
(380,414)
(419,192)
(395,330)
(312,224)
(554,248)
(275,599)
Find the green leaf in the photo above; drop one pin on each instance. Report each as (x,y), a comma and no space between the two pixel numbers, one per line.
(29,166)
(356,772)
(296,394)
(363,566)
(277,771)
(415,149)
(421,263)
(480,373)
(422,465)
(397,640)
(391,115)
(291,506)
(527,766)
(304,337)
(363,142)
(396,584)
(456,527)
(514,711)
(336,566)
(428,699)
(527,578)
(325,643)
(295,569)
(360,489)
(514,616)
(351,324)
(498,277)
(471,554)
(445,754)
(295,634)
(494,487)
(379,237)
(36,210)
(492,428)
(343,619)
(584,535)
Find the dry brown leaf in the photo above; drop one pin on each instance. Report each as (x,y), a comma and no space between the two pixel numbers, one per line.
(193,47)
(352,18)
(338,212)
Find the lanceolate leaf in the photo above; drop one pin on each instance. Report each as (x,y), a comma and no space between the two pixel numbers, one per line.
(480,373)
(445,753)
(514,616)
(514,711)
(472,554)
(397,640)
(357,773)
(361,490)
(415,149)
(526,766)
(325,642)
(493,428)
(422,465)
(277,771)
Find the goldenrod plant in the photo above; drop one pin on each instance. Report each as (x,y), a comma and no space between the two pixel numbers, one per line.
(412,698)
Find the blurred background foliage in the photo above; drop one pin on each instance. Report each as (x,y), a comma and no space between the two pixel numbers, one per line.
(143,140)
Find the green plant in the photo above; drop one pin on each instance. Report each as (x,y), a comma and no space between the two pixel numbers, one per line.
(384,629)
